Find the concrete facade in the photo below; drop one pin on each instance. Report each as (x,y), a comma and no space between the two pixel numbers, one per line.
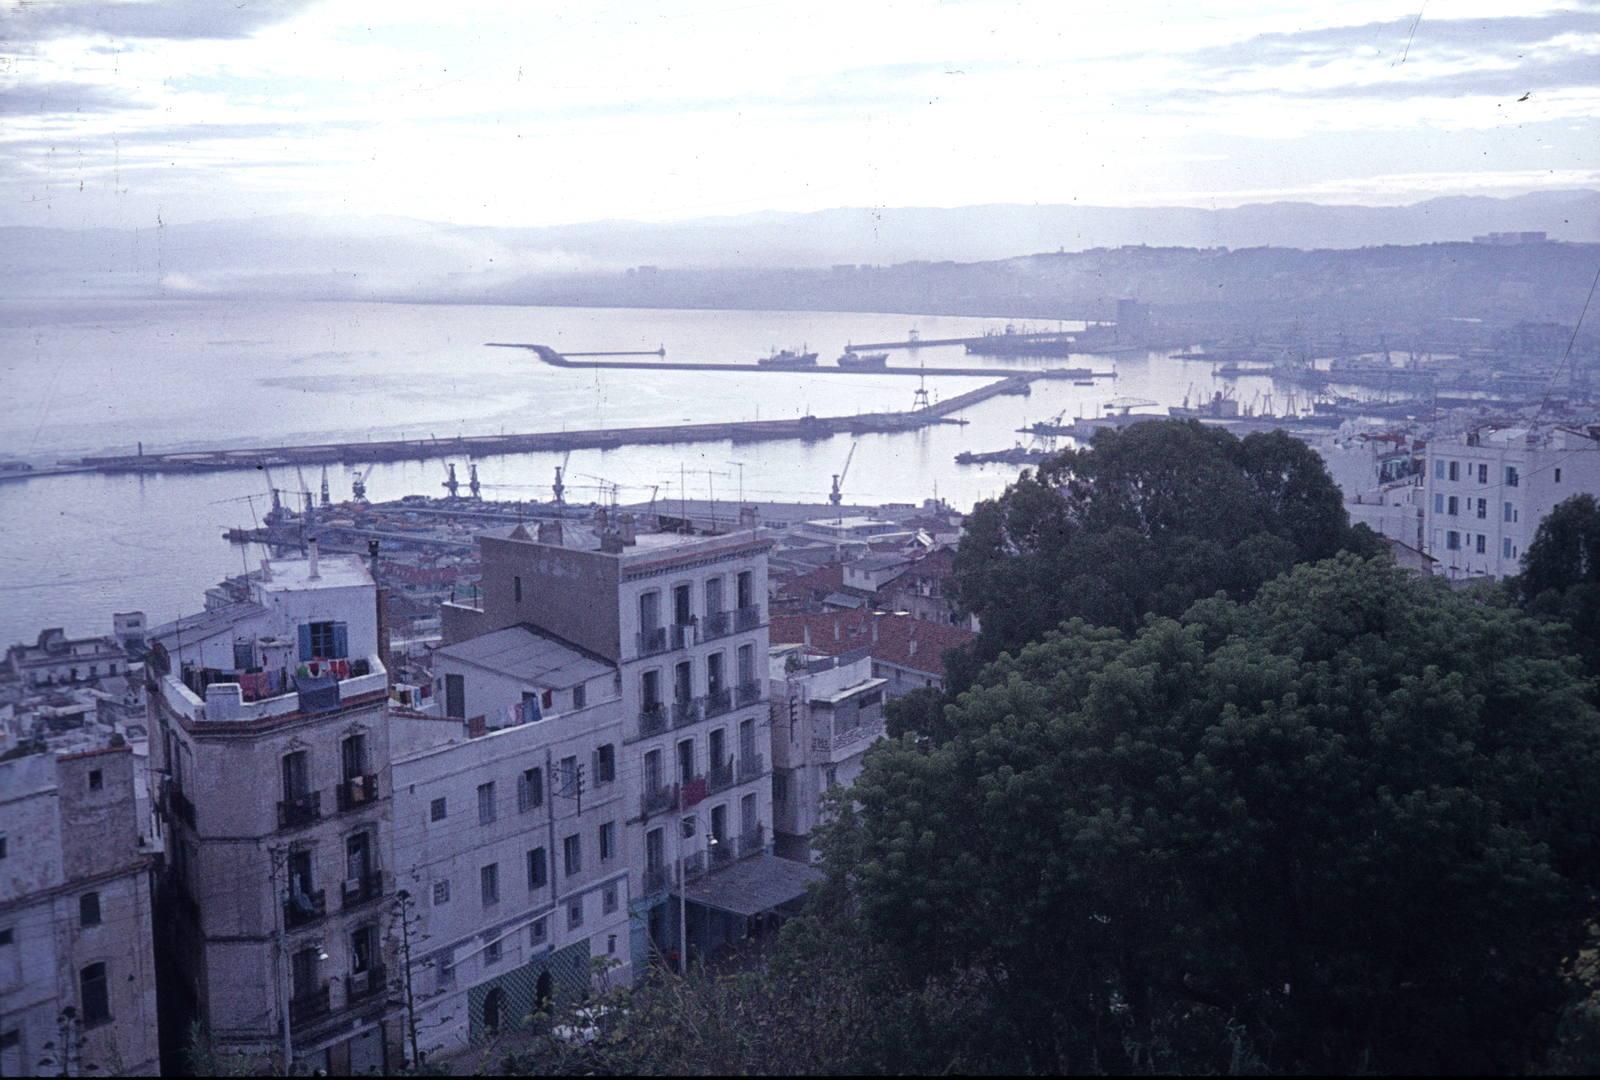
(55,660)
(77,970)
(277,813)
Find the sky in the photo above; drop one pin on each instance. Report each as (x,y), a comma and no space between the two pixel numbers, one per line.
(133,113)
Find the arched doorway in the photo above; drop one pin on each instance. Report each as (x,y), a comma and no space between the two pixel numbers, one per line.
(544,990)
(494,1007)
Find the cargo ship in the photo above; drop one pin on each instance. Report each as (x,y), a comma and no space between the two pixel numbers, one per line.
(788,358)
(863,361)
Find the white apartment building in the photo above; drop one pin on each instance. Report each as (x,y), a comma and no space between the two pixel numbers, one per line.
(508,832)
(269,738)
(681,618)
(1486,492)
(826,712)
(77,969)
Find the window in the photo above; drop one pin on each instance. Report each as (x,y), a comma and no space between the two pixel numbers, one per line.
(244,655)
(655,847)
(608,900)
(1438,504)
(575,914)
(572,854)
(680,604)
(608,840)
(780,788)
(605,764)
(530,789)
(353,756)
(652,772)
(1482,541)
(747,665)
(683,683)
(296,776)
(441,892)
(748,822)
(1508,512)
(611,944)
(447,967)
(1452,540)
(719,823)
(747,745)
(1505,548)
(1455,470)
(95,999)
(1438,469)
(580,696)
(325,640)
(489,884)
(1483,509)
(713,595)
(455,697)
(538,874)
(10,1038)
(831,776)
(649,611)
(1511,476)
(2,847)
(1454,506)
(1483,474)
(650,689)
(491,952)
(537,931)
(89,909)
(486,803)
(437,810)
(358,857)
(714,673)
(1558,476)
(746,590)
(687,827)
(685,761)
(516,588)
(97,779)
(361,950)
(8,936)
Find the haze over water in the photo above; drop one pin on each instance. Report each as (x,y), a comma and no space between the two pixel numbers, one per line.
(84,378)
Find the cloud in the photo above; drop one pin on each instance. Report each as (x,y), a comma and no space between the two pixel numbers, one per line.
(173,20)
(61,98)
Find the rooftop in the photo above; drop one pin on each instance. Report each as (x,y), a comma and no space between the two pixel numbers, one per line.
(207,623)
(901,640)
(535,656)
(333,572)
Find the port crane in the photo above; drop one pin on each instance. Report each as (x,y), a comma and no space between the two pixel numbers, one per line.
(558,489)
(836,496)
(472,481)
(358,486)
(451,484)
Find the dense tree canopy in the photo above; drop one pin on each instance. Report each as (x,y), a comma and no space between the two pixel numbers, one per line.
(1348,825)
(1560,576)
(1149,519)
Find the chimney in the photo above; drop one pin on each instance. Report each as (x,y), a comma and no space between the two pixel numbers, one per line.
(550,532)
(913,650)
(266,570)
(625,528)
(749,517)
(836,629)
(600,521)
(874,631)
(313,549)
(805,633)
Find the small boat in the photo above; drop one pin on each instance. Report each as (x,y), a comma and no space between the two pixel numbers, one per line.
(863,361)
(788,358)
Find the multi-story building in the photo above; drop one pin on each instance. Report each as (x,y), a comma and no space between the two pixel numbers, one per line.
(907,653)
(55,659)
(826,712)
(509,833)
(681,619)
(269,734)
(1488,490)
(77,971)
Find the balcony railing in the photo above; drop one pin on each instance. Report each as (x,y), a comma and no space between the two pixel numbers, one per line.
(720,776)
(716,624)
(681,635)
(752,842)
(356,792)
(718,702)
(746,618)
(685,713)
(658,800)
(652,720)
(303,1008)
(302,811)
(751,766)
(302,908)
(694,865)
(722,851)
(652,641)
(657,878)
(362,890)
(749,693)
(365,984)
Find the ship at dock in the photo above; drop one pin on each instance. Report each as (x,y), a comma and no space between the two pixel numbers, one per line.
(789,358)
(863,361)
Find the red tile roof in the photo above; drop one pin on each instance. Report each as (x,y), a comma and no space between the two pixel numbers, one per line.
(840,632)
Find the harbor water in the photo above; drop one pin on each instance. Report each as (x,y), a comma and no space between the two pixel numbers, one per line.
(96,378)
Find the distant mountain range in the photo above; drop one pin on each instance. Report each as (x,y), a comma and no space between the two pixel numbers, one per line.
(396,258)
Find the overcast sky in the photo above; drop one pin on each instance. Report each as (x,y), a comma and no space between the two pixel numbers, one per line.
(522,112)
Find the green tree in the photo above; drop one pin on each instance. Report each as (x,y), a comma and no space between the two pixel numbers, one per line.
(1149,519)
(1560,577)
(1347,825)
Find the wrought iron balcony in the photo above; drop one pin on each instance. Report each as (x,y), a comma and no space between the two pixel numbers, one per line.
(720,776)
(749,693)
(685,713)
(718,702)
(694,865)
(752,842)
(658,800)
(303,1008)
(722,851)
(681,635)
(652,720)
(302,908)
(356,792)
(652,641)
(657,878)
(751,766)
(362,985)
(716,624)
(302,811)
(362,890)
(747,618)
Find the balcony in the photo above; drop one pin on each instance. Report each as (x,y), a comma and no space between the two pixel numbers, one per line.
(236,702)
(304,1008)
(652,720)
(652,642)
(722,851)
(657,878)
(749,693)
(694,865)
(681,634)
(751,766)
(362,890)
(720,776)
(658,800)
(716,624)
(746,618)
(685,713)
(356,792)
(718,702)
(292,813)
(752,842)
(302,908)
(365,984)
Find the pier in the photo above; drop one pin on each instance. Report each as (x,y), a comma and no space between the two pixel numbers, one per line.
(556,359)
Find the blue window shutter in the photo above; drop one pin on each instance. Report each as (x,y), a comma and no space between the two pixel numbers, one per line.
(305,642)
(341,641)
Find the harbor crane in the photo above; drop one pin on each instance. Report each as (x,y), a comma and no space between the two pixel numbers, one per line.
(326,500)
(472,482)
(451,484)
(836,496)
(558,489)
(358,486)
